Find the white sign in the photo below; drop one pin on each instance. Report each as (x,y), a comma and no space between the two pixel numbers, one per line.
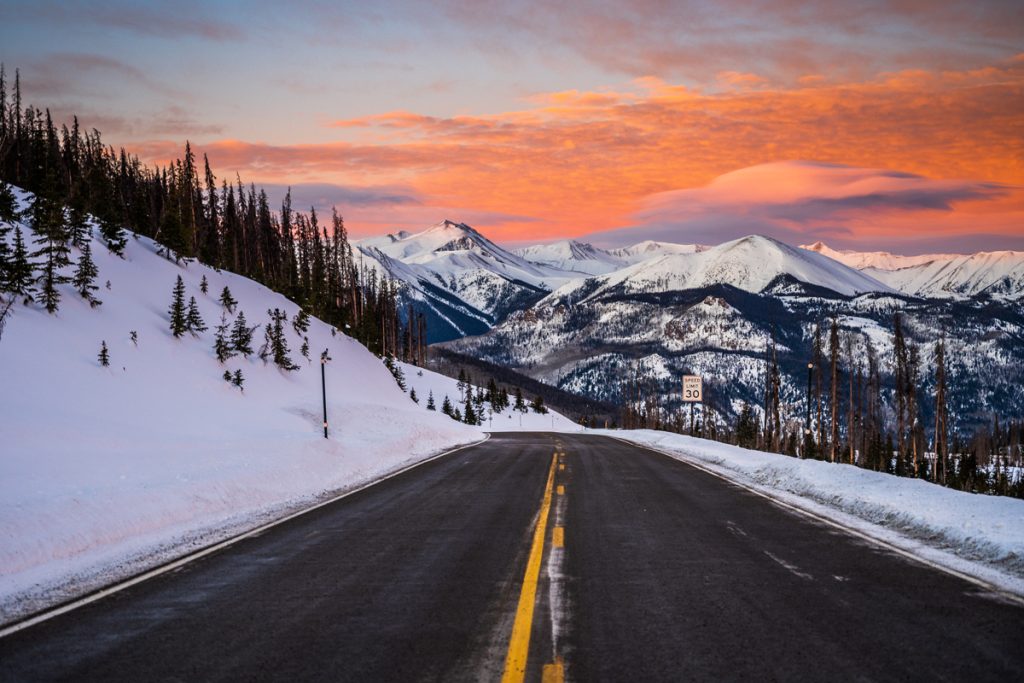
(693,389)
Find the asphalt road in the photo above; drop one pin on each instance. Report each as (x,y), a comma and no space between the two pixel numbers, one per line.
(650,570)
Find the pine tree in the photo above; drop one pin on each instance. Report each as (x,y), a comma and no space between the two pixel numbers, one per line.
(221,345)
(204,286)
(396,372)
(520,405)
(300,323)
(227,376)
(134,336)
(20,270)
(275,345)
(179,321)
(941,414)
(746,428)
(304,349)
(241,335)
(104,356)
(226,300)
(79,231)
(238,380)
(430,401)
(446,406)
(8,203)
(193,321)
(537,405)
(52,236)
(470,414)
(833,342)
(412,395)
(85,275)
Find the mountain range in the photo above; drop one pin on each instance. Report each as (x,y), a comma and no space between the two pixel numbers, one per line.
(584,319)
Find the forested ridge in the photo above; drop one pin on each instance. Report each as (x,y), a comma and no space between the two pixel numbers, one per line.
(194,214)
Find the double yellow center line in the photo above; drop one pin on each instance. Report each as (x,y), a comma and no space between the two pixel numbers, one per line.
(519,644)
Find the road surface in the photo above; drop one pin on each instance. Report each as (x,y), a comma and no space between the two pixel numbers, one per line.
(645,569)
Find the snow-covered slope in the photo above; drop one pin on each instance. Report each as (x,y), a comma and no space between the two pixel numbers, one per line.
(647,249)
(465,282)
(750,263)
(998,274)
(107,470)
(574,256)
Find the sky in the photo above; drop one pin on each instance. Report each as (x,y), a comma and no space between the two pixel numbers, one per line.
(867,125)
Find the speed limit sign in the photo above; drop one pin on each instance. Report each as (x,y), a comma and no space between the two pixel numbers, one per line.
(693,389)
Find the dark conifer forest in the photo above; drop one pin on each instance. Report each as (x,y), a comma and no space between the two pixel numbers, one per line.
(194,214)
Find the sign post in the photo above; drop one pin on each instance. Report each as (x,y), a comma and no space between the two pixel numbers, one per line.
(693,392)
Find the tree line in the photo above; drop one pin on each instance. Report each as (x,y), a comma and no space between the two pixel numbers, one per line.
(183,207)
(852,414)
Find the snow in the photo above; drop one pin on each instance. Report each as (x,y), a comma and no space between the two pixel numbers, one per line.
(982,536)
(571,255)
(957,276)
(750,263)
(510,420)
(108,471)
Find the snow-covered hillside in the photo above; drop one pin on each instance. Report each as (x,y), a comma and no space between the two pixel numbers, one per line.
(461,279)
(999,274)
(750,263)
(575,256)
(107,470)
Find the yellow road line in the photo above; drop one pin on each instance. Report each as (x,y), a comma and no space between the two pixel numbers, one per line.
(519,643)
(561,490)
(558,537)
(561,467)
(553,673)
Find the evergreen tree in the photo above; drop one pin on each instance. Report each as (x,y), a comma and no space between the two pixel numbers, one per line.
(52,236)
(134,336)
(746,428)
(20,270)
(470,414)
(226,300)
(275,345)
(104,356)
(85,275)
(221,346)
(79,231)
(238,380)
(8,203)
(179,320)
(537,405)
(193,321)
(412,395)
(430,401)
(227,376)
(520,405)
(304,349)
(446,406)
(300,323)
(241,335)
(396,372)
(204,286)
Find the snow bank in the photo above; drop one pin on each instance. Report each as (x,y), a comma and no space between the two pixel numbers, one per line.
(107,471)
(978,535)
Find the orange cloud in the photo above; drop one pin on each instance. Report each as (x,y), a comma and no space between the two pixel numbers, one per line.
(575,162)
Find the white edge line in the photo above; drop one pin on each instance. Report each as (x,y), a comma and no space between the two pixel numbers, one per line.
(1002,592)
(180,562)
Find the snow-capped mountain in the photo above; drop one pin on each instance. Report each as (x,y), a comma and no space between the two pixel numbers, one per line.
(998,274)
(642,251)
(713,312)
(461,280)
(751,263)
(571,255)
